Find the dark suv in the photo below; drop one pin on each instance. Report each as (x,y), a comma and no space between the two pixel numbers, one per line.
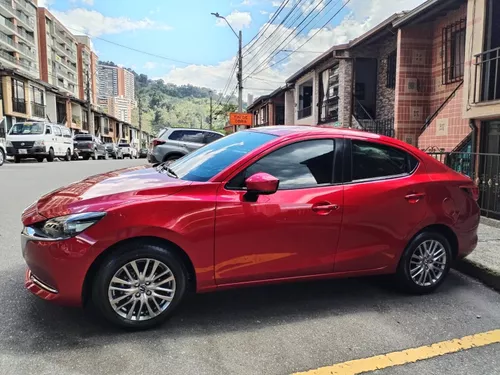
(87,146)
(174,143)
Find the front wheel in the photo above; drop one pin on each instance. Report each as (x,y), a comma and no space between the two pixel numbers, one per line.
(425,263)
(95,156)
(139,286)
(67,157)
(2,157)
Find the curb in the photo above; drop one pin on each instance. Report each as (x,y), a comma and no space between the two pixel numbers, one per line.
(480,272)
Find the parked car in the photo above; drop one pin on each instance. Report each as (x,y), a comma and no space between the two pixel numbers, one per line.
(87,146)
(143,153)
(174,143)
(3,151)
(128,151)
(259,206)
(39,140)
(114,151)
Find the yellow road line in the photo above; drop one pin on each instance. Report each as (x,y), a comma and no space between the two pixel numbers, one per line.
(403,357)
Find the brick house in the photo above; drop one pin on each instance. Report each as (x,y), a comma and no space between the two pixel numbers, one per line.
(350,85)
(269,109)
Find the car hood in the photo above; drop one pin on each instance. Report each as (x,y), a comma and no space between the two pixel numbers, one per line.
(100,192)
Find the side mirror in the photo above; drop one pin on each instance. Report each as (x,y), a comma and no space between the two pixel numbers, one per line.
(261,184)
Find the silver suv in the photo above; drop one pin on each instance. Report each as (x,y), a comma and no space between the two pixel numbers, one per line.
(174,143)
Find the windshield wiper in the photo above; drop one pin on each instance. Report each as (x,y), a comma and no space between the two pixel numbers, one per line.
(170,171)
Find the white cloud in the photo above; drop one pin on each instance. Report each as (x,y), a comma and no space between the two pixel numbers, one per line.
(264,12)
(45,3)
(276,3)
(150,65)
(237,19)
(88,2)
(364,14)
(95,24)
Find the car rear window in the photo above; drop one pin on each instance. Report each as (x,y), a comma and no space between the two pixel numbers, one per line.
(83,138)
(124,145)
(187,136)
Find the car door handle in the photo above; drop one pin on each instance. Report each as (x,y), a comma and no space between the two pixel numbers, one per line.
(324,208)
(414,197)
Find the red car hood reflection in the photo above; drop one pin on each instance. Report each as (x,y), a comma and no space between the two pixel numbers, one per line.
(106,190)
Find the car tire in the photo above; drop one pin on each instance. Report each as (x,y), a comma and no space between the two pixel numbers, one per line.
(86,157)
(425,263)
(67,157)
(112,267)
(50,156)
(39,159)
(2,156)
(105,157)
(95,156)
(17,159)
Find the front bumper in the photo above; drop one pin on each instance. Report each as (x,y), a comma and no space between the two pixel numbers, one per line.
(28,152)
(56,269)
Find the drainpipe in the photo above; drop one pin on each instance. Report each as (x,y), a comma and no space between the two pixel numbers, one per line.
(472,125)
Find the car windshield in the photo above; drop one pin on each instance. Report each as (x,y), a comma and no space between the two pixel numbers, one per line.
(24,128)
(207,161)
(83,138)
(109,145)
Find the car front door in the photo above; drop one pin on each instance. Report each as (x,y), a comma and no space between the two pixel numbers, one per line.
(58,139)
(293,232)
(384,201)
(50,139)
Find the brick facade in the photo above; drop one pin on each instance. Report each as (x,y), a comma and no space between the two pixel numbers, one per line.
(345,92)
(420,90)
(385,95)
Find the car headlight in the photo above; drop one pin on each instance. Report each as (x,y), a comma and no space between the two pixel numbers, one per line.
(39,143)
(9,144)
(65,227)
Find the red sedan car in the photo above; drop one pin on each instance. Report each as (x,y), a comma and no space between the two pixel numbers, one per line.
(260,206)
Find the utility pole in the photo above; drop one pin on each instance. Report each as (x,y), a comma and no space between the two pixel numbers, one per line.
(90,121)
(211,112)
(201,122)
(140,120)
(240,74)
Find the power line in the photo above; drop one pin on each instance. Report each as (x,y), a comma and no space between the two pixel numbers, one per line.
(276,51)
(307,41)
(132,49)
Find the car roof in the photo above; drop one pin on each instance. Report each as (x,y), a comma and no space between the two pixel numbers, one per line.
(290,130)
(203,130)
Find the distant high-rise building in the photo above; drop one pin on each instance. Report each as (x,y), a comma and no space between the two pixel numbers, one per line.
(18,36)
(115,81)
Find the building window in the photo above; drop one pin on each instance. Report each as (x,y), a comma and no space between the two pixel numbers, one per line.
(453,51)
(305,99)
(329,95)
(18,99)
(391,70)
(37,102)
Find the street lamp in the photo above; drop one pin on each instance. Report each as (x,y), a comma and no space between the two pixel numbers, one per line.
(240,62)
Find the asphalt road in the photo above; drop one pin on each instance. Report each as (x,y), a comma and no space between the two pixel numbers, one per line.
(267,330)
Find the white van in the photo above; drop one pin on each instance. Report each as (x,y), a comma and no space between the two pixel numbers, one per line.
(39,140)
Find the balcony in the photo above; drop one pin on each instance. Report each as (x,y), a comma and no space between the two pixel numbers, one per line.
(9,41)
(4,55)
(304,112)
(7,26)
(6,8)
(18,105)
(37,110)
(31,54)
(66,75)
(29,8)
(487,76)
(25,21)
(23,34)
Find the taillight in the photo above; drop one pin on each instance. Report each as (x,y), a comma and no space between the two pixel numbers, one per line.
(472,191)
(157,142)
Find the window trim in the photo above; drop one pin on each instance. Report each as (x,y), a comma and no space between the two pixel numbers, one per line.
(348,163)
(337,163)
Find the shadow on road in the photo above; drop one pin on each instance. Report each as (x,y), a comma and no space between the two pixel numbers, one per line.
(33,326)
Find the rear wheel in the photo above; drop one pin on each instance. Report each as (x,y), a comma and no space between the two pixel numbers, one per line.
(140,286)
(425,263)
(95,156)
(39,159)
(67,157)
(50,157)
(2,157)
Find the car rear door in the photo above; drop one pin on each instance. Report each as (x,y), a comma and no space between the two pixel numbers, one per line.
(384,201)
(293,232)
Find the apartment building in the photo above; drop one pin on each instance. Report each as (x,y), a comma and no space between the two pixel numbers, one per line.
(115,81)
(120,108)
(87,68)
(18,36)
(57,50)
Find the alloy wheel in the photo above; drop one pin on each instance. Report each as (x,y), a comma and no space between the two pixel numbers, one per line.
(141,289)
(1,157)
(428,263)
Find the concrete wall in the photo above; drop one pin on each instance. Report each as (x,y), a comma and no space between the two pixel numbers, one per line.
(310,120)
(50,109)
(290,107)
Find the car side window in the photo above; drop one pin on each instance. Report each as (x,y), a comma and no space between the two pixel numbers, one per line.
(210,137)
(303,164)
(66,133)
(187,136)
(57,131)
(373,160)
(48,130)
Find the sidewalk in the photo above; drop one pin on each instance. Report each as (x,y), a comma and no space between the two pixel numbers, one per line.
(484,262)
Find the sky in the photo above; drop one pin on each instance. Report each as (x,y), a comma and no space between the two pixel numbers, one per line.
(180,41)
